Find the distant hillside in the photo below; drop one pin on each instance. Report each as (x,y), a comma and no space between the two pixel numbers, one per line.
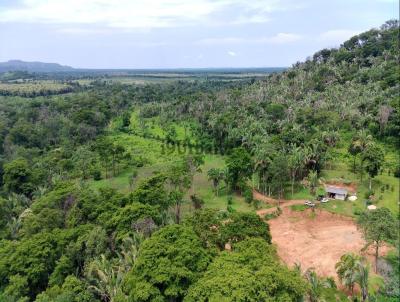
(14,65)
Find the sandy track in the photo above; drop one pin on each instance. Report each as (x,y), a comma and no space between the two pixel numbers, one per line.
(282,203)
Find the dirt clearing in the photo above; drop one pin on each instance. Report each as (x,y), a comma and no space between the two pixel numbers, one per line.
(316,242)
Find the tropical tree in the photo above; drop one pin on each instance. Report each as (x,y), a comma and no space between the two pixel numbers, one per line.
(169,261)
(346,270)
(240,167)
(18,177)
(279,174)
(377,227)
(263,157)
(313,182)
(106,276)
(216,175)
(362,278)
(316,285)
(359,144)
(373,157)
(295,163)
(250,272)
(180,181)
(193,165)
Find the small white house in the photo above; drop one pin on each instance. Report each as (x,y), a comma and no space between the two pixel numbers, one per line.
(336,192)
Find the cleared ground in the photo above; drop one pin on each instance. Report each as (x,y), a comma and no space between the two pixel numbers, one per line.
(315,240)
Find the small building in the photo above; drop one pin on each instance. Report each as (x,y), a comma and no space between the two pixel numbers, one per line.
(336,192)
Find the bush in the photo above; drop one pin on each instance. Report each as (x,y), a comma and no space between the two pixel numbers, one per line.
(397,172)
(369,193)
(96,174)
(230,209)
(248,195)
(357,212)
(230,200)
(274,214)
(256,204)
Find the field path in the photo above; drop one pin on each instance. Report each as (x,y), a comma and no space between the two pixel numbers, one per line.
(284,203)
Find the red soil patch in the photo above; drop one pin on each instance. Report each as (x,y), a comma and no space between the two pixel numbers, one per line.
(317,242)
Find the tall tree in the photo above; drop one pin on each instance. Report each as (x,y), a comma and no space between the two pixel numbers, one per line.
(313,182)
(378,226)
(279,175)
(240,167)
(359,144)
(362,278)
(193,166)
(216,175)
(373,157)
(295,163)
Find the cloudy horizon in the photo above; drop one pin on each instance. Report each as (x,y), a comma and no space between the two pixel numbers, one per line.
(181,33)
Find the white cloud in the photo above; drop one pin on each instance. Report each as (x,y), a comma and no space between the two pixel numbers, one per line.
(140,13)
(337,36)
(280,38)
(232,53)
(283,38)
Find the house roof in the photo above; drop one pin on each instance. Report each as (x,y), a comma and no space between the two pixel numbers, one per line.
(335,190)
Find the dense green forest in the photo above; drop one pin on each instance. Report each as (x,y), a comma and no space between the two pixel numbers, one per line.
(115,191)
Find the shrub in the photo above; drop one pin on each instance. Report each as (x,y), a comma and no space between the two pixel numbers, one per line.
(248,195)
(397,172)
(96,174)
(230,209)
(369,193)
(256,204)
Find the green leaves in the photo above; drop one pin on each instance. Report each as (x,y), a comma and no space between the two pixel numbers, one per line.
(168,263)
(251,272)
(240,166)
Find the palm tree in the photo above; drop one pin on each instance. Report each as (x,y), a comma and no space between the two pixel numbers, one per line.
(296,159)
(360,142)
(346,269)
(216,175)
(362,278)
(316,285)
(263,155)
(14,225)
(330,138)
(313,182)
(106,276)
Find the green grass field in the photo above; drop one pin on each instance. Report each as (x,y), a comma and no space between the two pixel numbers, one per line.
(145,141)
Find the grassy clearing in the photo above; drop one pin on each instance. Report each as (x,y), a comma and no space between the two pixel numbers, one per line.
(34,87)
(385,186)
(145,142)
(154,128)
(298,207)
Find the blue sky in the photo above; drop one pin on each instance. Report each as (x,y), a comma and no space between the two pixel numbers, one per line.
(181,33)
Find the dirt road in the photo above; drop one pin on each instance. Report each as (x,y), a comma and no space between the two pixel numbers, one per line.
(283,203)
